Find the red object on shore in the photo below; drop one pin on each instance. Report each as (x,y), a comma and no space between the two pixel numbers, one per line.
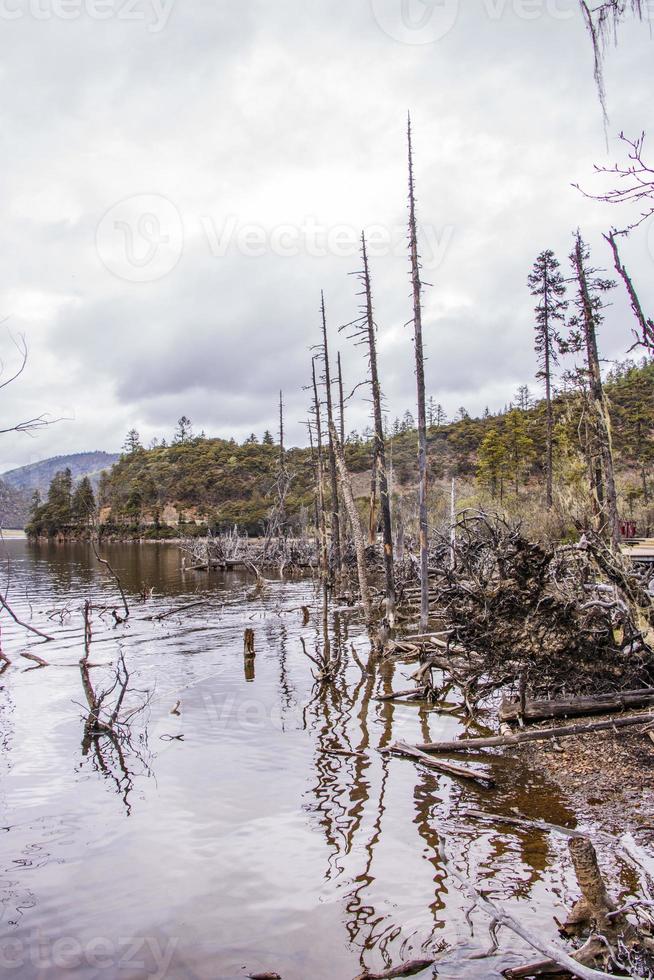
(628,529)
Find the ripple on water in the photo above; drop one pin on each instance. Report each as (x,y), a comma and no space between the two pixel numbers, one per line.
(246,842)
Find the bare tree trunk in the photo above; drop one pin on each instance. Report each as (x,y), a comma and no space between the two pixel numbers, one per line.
(336,530)
(646,325)
(357,533)
(341,425)
(548,404)
(380,442)
(420,381)
(372,510)
(603,425)
(282,465)
(320,479)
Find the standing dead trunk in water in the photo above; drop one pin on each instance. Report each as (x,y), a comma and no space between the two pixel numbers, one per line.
(357,533)
(321,530)
(590,315)
(336,529)
(420,381)
(380,441)
(341,426)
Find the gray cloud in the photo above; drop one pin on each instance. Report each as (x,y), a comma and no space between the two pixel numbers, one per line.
(290,117)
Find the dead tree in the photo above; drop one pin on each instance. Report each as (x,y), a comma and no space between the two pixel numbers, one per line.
(589,304)
(103,561)
(635,186)
(341,425)
(39,421)
(280,490)
(365,331)
(420,381)
(645,333)
(355,523)
(335,522)
(321,528)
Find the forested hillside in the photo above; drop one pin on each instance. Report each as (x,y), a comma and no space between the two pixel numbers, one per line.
(14,507)
(199,481)
(38,476)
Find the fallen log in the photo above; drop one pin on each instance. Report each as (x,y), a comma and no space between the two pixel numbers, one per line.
(540,735)
(577,706)
(413,752)
(412,692)
(39,661)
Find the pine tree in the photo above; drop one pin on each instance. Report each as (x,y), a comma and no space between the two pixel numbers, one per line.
(267,439)
(184,430)
(492,463)
(547,283)
(83,502)
(60,499)
(132,442)
(519,446)
(524,398)
(408,422)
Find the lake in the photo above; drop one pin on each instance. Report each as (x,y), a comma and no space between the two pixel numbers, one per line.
(225,839)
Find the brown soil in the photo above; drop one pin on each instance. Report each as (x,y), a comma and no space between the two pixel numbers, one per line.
(609,779)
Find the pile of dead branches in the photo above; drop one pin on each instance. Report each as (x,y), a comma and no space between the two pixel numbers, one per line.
(554,621)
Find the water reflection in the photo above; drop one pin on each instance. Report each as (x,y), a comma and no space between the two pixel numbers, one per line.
(298,846)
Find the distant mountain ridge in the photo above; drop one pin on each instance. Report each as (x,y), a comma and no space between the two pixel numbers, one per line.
(17,486)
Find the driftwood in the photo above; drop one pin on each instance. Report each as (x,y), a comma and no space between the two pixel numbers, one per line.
(401,748)
(173,612)
(500,917)
(595,911)
(576,707)
(501,741)
(522,822)
(32,629)
(37,660)
(401,970)
(103,561)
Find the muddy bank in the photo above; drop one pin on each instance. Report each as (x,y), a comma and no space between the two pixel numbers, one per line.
(607,778)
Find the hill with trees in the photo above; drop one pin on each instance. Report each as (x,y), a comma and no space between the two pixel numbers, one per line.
(38,476)
(498,460)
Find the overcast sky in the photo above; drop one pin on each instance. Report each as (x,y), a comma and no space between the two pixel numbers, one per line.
(182,177)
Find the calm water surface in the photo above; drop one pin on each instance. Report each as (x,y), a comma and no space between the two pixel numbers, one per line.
(244,846)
